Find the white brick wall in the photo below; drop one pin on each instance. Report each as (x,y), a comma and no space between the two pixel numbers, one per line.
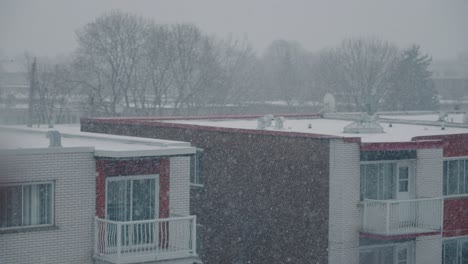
(344,214)
(428,249)
(179,186)
(72,241)
(429,173)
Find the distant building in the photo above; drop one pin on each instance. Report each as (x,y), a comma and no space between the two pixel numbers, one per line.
(304,191)
(88,198)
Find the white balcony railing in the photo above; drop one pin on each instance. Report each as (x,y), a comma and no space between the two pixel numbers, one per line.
(401,217)
(148,240)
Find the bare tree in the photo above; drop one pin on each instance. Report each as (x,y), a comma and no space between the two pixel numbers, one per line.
(109,50)
(52,89)
(287,68)
(194,67)
(238,80)
(359,70)
(154,76)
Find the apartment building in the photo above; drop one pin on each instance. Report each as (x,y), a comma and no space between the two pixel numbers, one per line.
(87,198)
(333,188)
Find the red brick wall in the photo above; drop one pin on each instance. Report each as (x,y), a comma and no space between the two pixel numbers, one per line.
(454,145)
(455,217)
(127,167)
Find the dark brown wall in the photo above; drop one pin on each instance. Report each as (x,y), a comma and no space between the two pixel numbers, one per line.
(265,198)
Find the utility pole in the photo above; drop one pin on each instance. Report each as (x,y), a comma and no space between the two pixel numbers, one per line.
(32,88)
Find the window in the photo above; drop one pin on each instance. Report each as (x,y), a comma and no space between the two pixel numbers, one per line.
(23,205)
(196,166)
(378,181)
(455,251)
(403,179)
(455,177)
(132,198)
(387,254)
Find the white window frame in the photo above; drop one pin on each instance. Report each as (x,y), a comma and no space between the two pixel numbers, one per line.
(458,240)
(465,167)
(136,177)
(52,205)
(195,175)
(412,172)
(410,246)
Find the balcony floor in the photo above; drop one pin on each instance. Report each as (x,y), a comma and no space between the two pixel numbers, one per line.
(138,257)
(409,232)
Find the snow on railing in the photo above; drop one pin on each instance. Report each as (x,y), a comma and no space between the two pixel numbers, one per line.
(136,241)
(398,217)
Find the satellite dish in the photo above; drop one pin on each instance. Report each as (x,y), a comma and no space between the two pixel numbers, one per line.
(329,105)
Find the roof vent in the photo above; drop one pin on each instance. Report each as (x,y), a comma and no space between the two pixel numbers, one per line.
(443,116)
(365,125)
(279,122)
(267,120)
(261,123)
(55,139)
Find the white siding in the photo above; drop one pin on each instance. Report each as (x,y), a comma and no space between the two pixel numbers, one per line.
(429,173)
(344,218)
(72,240)
(429,249)
(179,186)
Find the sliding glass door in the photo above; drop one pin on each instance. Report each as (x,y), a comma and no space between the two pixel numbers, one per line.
(132,198)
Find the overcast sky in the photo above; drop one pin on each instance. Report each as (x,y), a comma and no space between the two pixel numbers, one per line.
(47,27)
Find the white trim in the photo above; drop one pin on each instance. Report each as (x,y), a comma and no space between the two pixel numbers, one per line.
(446,173)
(132,177)
(30,151)
(454,238)
(387,161)
(455,158)
(454,196)
(145,153)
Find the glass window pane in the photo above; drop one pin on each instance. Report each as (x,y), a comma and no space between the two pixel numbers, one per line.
(464,253)
(450,252)
(466,175)
(45,204)
(403,187)
(402,254)
(445,186)
(386,255)
(118,202)
(10,206)
(143,200)
(363,182)
(388,190)
(36,204)
(453,177)
(372,181)
(461,176)
(403,173)
(367,257)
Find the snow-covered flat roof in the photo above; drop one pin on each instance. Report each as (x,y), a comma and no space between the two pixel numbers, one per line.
(333,127)
(20,137)
(451,118)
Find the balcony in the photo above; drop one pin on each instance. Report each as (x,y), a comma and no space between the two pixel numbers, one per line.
(148,240)
(402,217)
